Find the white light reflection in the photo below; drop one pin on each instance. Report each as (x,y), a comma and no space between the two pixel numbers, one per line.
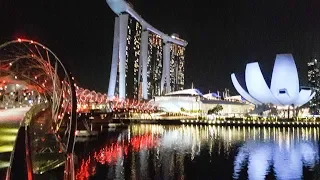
(259,157)
(262,151)
(287,163)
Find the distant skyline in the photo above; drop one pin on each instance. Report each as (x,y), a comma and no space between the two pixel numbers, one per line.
(222,37)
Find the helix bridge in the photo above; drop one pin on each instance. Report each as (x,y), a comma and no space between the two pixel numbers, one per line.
(38,91)
(88,100)
(14,94)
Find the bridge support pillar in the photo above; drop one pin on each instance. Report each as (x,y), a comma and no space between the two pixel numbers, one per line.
(69,173)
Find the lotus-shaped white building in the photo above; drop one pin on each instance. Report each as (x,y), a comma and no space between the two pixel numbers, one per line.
(284,87)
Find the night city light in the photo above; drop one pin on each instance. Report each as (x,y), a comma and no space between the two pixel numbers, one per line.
(146,90)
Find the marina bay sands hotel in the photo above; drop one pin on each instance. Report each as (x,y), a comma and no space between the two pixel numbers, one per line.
(145,61)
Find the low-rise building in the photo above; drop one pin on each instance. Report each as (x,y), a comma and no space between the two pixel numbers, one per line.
(193,101)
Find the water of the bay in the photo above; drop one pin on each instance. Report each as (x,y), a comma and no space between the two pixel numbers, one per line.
(156,152)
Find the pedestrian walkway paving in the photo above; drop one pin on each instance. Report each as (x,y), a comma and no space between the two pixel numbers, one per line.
(7,138)
(9,124)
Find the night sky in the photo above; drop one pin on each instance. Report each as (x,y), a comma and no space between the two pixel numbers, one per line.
(223,35)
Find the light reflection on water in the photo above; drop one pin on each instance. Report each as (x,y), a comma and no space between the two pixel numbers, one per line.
(202,152)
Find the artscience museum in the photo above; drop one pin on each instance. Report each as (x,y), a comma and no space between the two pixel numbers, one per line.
(284,88)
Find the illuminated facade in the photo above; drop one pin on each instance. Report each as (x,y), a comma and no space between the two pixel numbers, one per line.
(154,66)
(145,61)
(133,71)
(284,89)
(177,67)
(314,82)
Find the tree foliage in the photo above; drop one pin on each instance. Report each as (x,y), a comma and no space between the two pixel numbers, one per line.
(215,110)
(273,111)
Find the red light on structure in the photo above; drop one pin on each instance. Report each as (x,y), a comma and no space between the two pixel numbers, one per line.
(19,39)
(87,169)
